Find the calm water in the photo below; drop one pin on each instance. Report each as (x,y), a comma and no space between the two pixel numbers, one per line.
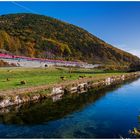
(105,114)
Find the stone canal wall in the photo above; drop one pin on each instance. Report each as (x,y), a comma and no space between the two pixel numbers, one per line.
(59,90)
(86,86)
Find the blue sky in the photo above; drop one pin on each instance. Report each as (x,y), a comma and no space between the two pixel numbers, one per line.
(117,23)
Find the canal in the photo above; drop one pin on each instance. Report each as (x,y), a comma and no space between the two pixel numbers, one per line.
(109,113)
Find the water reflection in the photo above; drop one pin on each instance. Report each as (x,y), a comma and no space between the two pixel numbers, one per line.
(50,109)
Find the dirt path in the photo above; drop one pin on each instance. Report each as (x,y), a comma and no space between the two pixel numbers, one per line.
(44,87)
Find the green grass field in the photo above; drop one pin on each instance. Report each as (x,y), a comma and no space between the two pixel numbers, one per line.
(42,76)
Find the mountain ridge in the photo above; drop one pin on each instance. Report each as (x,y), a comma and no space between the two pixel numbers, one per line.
(42,36)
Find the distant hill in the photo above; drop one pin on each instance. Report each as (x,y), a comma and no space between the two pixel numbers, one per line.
(41,36)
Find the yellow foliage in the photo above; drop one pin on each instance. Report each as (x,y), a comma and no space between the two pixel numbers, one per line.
(30,49)
(61,46)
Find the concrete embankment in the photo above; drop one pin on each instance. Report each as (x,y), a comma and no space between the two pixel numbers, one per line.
(55,91)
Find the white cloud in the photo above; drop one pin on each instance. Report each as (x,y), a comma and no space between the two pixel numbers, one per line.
(128,49)
(135,52)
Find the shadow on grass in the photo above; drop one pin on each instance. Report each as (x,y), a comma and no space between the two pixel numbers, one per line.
(95,72)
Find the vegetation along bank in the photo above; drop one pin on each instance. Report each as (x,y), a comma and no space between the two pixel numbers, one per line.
(83,84)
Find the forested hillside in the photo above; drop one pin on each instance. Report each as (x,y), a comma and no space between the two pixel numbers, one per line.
(41,36)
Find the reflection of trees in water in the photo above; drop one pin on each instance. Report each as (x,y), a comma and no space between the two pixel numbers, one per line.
(47,110)
(136,131)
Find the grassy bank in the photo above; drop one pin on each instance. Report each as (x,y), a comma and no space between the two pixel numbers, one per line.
(10,78)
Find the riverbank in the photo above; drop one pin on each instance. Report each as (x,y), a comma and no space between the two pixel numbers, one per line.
(10,78)
(82,84)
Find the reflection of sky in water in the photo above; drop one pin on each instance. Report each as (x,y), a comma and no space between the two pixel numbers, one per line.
(110,116)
